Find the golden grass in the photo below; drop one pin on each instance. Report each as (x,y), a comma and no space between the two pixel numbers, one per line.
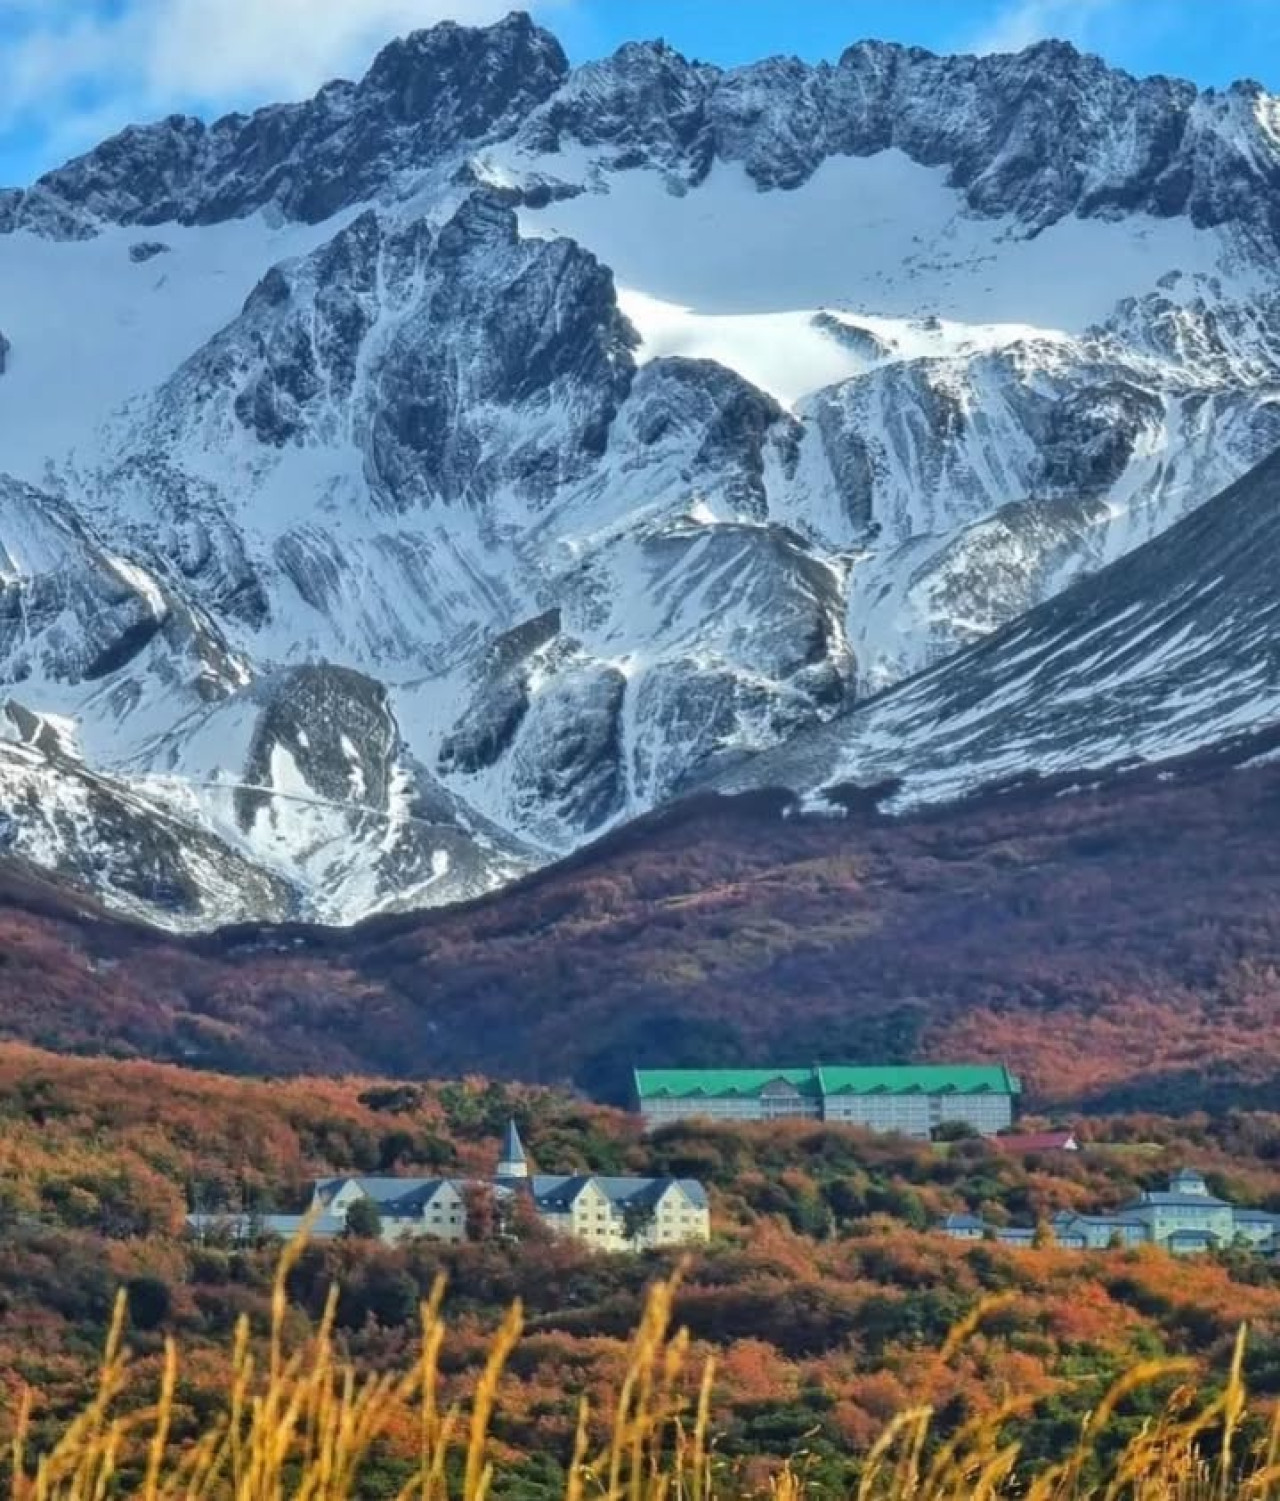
(300,1425)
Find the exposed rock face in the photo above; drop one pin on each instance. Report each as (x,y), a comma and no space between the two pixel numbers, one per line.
(424,98)
(504,688)
(567,765)
(473,322)
(431,547)
(1168,649)
(73,613)
(140,855)
(142,251)
(1041,134)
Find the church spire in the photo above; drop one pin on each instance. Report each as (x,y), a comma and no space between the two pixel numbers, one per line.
(512,1162)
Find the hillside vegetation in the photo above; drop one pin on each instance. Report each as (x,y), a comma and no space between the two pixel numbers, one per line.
(823,1299)
(1117,944)
(307,1421)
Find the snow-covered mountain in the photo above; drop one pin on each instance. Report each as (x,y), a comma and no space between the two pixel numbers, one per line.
(1171,648)
(408,484)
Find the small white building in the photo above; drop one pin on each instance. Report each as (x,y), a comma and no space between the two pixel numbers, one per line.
(1184,1218)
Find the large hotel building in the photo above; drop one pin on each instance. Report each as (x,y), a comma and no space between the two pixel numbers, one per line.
(914,1099)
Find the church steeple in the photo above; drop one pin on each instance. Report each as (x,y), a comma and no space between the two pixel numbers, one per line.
(512,1163)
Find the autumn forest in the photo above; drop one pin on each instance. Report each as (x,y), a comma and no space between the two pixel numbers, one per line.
(826,1295)
(1116,943)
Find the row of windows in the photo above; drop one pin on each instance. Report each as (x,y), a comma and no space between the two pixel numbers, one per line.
(605,1216)
(930,1109)
(616,1232)
(1192,1212)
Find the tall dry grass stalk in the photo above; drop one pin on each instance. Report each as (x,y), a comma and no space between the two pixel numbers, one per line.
(300,1425)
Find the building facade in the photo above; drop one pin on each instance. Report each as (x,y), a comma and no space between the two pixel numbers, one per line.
(1183,1218)
(912,1099)
(623,1214)
(407,1207)
(608,1212)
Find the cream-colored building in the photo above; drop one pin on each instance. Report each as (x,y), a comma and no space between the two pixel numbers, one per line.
(612,1213)
(407,1207)
(622,1214)
(609,1213)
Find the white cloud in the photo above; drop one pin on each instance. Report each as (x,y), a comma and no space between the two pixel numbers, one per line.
(213,49)
(1020,24)
(69,67)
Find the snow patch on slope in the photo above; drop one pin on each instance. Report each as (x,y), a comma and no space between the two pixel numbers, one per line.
(876,234)
(791,354)
(89,327)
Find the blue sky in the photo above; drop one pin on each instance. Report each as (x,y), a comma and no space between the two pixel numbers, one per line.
(73,71)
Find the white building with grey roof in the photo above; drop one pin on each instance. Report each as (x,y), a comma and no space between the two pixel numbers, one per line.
(1183,1218)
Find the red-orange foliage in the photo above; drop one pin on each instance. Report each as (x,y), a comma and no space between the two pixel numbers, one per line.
(816,1339)
(1117,947)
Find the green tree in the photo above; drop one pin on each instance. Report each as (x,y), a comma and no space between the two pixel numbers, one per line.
(637,1220)
(394,1148)
(810,1215)
(390,1295)
(150,1301)
(363,1220)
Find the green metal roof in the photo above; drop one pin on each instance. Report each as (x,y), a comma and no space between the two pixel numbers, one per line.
(736,1083)
(718,1083)
(919,1078)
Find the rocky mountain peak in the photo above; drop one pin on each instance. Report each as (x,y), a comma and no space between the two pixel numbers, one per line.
(1041,134)
(498,71)
(425,99)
